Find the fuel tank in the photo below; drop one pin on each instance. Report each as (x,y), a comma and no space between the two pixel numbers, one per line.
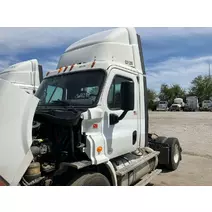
(145,165)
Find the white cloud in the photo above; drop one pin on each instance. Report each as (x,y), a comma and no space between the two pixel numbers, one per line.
(157,32)
(7,61)
(16,40)
(177,70)
(50,64)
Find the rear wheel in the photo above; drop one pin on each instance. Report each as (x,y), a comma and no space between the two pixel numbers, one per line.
(90,179)
(175,153)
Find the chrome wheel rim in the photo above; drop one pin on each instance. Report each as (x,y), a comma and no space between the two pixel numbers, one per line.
(176,153)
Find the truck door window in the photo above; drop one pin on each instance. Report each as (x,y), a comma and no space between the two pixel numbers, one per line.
(114,96)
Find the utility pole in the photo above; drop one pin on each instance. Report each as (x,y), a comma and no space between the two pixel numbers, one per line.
(209,72)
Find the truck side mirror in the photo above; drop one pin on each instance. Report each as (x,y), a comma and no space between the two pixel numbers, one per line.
(127,95)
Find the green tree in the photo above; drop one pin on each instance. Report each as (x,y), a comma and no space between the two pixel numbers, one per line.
(151,95)
(201,86)
(177,91)
(169,93)
(164,92)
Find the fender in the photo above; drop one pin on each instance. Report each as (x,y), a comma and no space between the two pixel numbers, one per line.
(112,171)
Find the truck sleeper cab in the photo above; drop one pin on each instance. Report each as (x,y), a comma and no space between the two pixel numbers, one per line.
(26,75)
(91,122)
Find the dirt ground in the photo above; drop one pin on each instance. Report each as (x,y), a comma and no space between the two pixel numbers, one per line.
(194,131)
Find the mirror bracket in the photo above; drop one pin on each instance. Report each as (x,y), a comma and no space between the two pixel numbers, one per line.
(114,119)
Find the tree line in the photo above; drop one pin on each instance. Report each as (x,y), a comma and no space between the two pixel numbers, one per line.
(201,86)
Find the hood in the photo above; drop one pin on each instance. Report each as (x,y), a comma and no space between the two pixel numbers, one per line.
(17,112)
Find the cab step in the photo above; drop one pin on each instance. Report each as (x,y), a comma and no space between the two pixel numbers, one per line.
(148,177)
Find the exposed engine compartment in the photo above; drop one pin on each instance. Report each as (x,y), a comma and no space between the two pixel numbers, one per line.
(57,138)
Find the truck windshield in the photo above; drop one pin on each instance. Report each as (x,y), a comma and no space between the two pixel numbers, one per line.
(78,88)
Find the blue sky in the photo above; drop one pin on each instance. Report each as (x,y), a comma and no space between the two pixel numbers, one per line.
(172,55)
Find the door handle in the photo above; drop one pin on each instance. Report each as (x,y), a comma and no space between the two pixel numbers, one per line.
(134,137)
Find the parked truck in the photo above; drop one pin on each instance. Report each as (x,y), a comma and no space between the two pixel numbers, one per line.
(26,75)
(178,105)
(206,105)
(192,103)
(162,106)
(87,124)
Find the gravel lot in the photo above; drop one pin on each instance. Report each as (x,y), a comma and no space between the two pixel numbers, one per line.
(194,131)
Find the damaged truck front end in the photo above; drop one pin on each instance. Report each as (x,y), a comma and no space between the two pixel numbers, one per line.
(57,138)
(47,133)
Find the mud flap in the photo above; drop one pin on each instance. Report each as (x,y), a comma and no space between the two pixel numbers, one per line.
(164,149)
(17,109)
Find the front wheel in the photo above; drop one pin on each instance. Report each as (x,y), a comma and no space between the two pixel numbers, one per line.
(175,153)
(90,179)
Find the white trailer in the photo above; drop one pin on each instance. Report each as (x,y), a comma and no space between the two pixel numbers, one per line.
(87,124)
(26,75)
(192,103)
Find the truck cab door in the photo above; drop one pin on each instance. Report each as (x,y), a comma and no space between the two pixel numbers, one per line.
(122,137)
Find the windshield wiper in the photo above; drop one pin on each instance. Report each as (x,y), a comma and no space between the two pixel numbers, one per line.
(61,102)
(64,103)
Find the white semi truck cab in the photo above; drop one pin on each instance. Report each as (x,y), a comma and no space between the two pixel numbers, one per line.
(87,124)
(26,75)
(162,106)
(206,105)
(178,105)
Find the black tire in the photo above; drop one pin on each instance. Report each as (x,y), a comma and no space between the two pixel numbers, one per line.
(90,179)
(173,160)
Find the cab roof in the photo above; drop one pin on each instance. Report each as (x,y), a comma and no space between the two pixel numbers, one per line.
(119,45)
